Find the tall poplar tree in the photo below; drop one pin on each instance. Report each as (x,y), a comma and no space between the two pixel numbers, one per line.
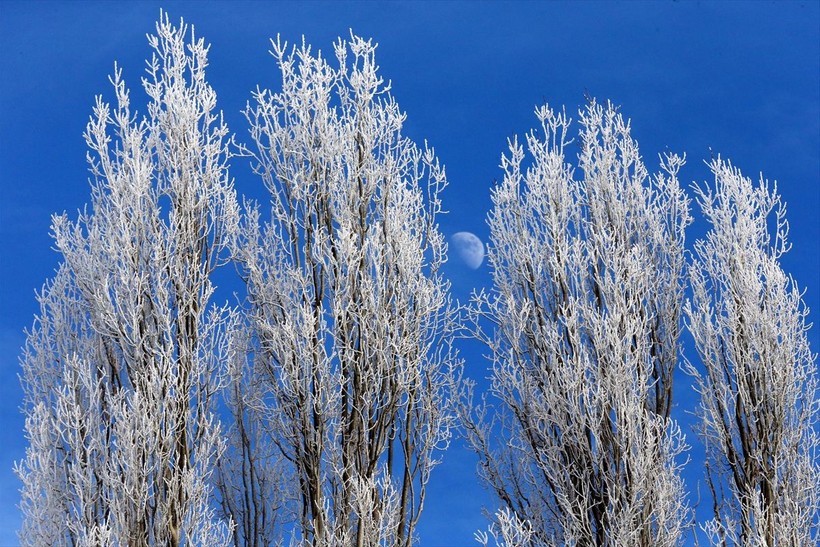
(121,368)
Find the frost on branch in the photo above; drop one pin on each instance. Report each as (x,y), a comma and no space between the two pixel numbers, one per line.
(121,367)
(584,321)
(507,531)
(348,314)
(758,381)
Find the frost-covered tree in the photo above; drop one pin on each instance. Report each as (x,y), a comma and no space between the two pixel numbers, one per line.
(582,326)
(253,481)
(121,368)
(349,323)
(758,379)
(315,411)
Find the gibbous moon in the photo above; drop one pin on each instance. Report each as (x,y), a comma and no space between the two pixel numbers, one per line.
(468,248)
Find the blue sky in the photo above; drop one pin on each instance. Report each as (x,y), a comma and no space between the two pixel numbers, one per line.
(742,79)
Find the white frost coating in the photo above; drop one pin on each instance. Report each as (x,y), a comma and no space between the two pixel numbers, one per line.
(758,381)
(588,288)
(354,371)
(122,365)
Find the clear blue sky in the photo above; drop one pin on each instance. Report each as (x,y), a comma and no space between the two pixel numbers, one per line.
(740,78)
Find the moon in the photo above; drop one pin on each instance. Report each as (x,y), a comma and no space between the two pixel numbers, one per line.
(469,249)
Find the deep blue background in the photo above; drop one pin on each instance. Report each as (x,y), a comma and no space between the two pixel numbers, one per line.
(740,78)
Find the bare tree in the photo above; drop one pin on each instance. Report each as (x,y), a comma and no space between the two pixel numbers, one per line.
(121,368)
(350,323)
(583,329)
(253,479)
(758,380)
